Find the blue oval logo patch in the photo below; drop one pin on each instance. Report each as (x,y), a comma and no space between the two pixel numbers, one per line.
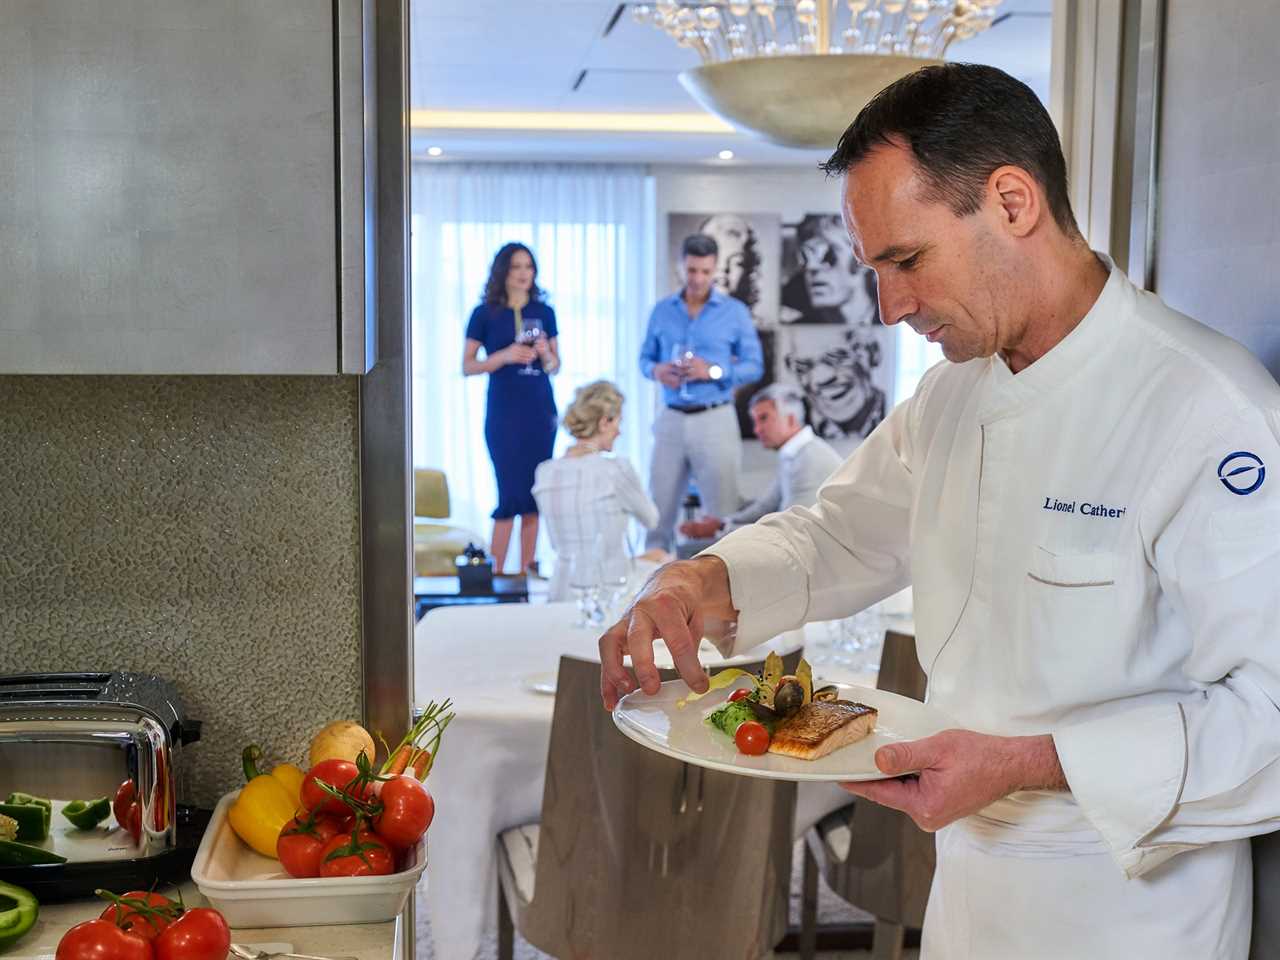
(1242,472)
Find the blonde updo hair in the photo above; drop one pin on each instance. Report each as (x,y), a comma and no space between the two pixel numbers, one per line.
(591,404)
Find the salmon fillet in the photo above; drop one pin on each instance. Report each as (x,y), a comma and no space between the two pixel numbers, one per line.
(819,728)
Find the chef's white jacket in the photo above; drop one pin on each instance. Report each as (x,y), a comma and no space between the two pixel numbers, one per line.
(1094,550)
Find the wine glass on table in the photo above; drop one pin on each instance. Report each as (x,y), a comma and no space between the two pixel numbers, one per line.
(681,355)
(530,332)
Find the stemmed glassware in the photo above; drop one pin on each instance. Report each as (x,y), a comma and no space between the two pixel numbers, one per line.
(587,580)
(530,331)
(681,354)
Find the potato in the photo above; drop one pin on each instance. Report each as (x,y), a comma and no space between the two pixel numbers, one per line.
(343,740)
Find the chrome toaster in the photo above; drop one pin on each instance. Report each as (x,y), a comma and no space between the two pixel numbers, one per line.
(82,736)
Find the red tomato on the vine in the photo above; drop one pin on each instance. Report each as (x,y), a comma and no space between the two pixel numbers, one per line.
(407,810)
(199,934)
(102,940)
(142,923)
(337,774)
(363,855)
(301,844)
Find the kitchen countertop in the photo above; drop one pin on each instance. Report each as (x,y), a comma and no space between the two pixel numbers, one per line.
(367,941)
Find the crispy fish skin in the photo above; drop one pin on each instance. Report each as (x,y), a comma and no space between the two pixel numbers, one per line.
(819,728)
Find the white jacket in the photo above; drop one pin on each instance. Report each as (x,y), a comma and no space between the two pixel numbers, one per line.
(1094,550)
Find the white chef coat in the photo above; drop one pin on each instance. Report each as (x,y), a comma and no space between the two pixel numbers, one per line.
(1094,550)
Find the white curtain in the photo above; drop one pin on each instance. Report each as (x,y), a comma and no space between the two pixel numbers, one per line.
(591,230)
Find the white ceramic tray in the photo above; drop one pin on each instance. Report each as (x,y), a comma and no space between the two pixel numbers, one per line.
(254,891)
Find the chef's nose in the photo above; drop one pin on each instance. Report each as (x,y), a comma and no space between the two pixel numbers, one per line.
(896,301)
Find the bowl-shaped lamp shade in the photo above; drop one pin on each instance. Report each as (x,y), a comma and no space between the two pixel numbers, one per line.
(795,101)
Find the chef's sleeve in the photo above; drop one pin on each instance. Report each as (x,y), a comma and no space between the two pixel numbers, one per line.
(1157,780)
(839,556)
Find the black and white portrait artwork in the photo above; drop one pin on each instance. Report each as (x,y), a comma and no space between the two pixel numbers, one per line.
(845,371)
(747,268)
(822,281)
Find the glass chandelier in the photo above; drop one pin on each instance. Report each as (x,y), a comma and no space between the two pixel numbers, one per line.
(796,72)
(737,29)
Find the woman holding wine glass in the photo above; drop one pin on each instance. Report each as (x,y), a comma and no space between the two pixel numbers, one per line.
(518,333)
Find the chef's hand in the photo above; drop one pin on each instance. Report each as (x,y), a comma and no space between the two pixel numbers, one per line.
(667,374)
(671,605)
(958,772)
(698,369)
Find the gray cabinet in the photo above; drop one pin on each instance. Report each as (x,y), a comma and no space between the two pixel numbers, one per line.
(182,186)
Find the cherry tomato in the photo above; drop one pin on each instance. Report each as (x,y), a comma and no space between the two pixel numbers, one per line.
(752,738)
(127,809)
(363,855)
(407,810)
(102,940)
(336,773)
(199,934)
(739,694)
(145,923)
(301,844)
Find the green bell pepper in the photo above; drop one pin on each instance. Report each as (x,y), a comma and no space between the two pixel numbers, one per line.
(33,820)
(87,814)
(18,912)
(26,798)
(15,854)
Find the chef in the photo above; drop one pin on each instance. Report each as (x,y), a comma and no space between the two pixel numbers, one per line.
(1084,499)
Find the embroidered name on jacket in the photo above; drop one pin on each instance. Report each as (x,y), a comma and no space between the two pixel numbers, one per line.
(1083,508)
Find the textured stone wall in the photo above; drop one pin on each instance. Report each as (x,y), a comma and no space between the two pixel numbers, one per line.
(205,529)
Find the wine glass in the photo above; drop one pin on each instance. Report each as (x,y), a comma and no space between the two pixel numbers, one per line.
(586,577)
(681,354)
(530,331)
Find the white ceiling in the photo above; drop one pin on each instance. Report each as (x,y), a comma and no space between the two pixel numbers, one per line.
(527,56)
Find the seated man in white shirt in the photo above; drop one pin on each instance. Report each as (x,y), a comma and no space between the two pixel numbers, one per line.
(805,460)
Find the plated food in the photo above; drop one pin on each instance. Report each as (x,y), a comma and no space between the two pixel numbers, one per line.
(784,714)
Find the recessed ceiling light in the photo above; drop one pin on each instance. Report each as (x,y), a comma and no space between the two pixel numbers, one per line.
(725,154)
(434,151)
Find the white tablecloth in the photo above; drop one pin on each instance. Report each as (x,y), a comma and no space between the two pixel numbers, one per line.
(489,775)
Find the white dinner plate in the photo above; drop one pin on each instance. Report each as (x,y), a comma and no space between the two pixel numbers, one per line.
(657,723)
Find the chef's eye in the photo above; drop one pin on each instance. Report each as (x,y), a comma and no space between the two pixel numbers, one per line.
(909,263)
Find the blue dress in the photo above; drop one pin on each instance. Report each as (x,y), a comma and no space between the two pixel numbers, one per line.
(520,415)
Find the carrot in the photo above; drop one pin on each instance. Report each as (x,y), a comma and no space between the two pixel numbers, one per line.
(399,761)
(421,762)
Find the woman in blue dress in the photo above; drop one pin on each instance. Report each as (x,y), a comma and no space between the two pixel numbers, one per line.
(518,333)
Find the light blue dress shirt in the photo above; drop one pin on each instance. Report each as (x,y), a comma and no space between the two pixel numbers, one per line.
(722,333)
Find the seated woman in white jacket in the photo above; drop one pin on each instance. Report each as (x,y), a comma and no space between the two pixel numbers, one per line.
(586,497)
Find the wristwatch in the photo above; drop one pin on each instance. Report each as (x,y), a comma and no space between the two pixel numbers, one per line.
(715,371)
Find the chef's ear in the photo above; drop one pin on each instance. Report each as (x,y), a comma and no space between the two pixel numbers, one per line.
(1020,199)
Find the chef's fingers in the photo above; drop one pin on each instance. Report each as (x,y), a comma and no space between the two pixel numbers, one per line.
(683,637)
(615,681)
(907,756)
(642,630)
(896,794)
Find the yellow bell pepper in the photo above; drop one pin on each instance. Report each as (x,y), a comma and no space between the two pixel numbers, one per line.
(266,803)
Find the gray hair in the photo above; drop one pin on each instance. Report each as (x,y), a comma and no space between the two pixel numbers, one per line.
(788,400)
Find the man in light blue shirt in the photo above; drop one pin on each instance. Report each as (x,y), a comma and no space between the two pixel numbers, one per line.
(700,346)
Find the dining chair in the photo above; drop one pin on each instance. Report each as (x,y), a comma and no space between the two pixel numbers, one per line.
(638,855)
(875,858)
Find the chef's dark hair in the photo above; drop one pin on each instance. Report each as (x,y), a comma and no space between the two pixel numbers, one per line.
(962,121)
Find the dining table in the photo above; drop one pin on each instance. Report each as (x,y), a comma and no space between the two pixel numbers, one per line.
(498,666)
